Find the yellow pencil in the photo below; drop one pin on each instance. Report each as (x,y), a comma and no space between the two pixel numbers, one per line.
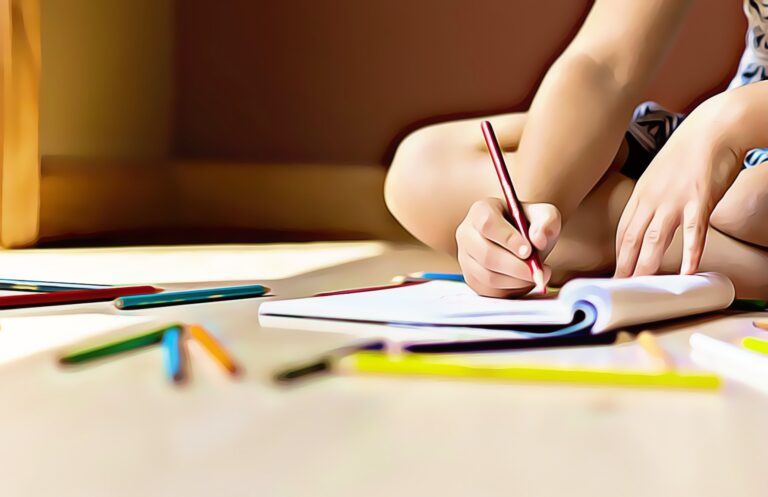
(651,347)
(214,348)
(763,325)
(422,365)
(755,345)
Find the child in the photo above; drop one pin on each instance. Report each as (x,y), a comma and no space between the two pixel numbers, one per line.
(442,188)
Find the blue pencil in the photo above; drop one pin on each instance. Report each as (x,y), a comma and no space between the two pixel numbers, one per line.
(174,360)
(440,276)
(45,286)
(190,297)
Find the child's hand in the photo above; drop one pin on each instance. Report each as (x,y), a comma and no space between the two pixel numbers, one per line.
(681,187)
(491,251)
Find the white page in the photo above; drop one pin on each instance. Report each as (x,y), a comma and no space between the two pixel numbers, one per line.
(619,302)
(431,303)
(24,336)
(392,333)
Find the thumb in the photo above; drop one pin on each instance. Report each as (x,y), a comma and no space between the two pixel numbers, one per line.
(545,223)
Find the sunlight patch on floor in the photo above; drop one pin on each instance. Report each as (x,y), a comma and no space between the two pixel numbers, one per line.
(181,264)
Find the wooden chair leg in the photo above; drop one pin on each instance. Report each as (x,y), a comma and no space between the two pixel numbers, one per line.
(19,122)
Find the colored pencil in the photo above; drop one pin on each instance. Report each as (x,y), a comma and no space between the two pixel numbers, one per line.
(421,277)
(72,296)
(116,347)
(190,297)
(755,345)
(513,204)
(651,347)
(323,363)
(368,289)
(416,365)
(439,276)
(174,355)
(749,305)
(763,325)
(214,348)
(45,286)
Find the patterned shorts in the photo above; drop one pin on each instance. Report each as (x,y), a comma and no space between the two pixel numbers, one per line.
(651,127)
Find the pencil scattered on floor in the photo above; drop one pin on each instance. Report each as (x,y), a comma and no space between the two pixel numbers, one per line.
(214,348)
(173,340)
(45,286)
(115,347)
(174,354)
(649,344)
(763,325)
(755,345)
(190,297)
(419,365)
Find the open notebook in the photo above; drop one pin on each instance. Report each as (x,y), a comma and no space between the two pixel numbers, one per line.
(582,304)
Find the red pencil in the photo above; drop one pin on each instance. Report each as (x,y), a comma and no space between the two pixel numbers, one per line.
(73,297)
(513,204)
(369,288)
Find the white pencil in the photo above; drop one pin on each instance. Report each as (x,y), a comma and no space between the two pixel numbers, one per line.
(730,360)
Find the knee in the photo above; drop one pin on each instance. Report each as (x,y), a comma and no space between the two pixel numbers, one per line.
(741,213)
(408,178)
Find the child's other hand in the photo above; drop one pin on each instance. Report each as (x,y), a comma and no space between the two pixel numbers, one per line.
(681,187)
(491,251)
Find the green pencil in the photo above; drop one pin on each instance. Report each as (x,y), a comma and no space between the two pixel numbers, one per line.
(123,345)
(190,296)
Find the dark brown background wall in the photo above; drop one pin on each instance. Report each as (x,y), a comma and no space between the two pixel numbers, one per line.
(340,81)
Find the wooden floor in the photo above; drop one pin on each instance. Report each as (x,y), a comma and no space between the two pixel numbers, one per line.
(120,429)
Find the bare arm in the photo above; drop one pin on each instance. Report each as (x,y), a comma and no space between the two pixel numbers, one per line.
(571,133)
(745,110)
(582,108)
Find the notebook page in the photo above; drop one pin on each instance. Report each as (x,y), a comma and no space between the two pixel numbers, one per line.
(392,333)
(431,303)
(645,299)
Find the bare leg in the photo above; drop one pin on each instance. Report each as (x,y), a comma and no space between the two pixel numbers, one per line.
(743,211)
(439,171)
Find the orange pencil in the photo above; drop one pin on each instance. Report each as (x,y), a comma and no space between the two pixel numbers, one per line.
(763,325)
(513,204)
(214,348)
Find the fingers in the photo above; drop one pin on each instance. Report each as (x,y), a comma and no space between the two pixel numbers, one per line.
(492,252)
(545,225)
(487,217)
(630,243)
(494,257)
(647,236)
(656,240)
(626,216)
(695,224)
(491,284)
